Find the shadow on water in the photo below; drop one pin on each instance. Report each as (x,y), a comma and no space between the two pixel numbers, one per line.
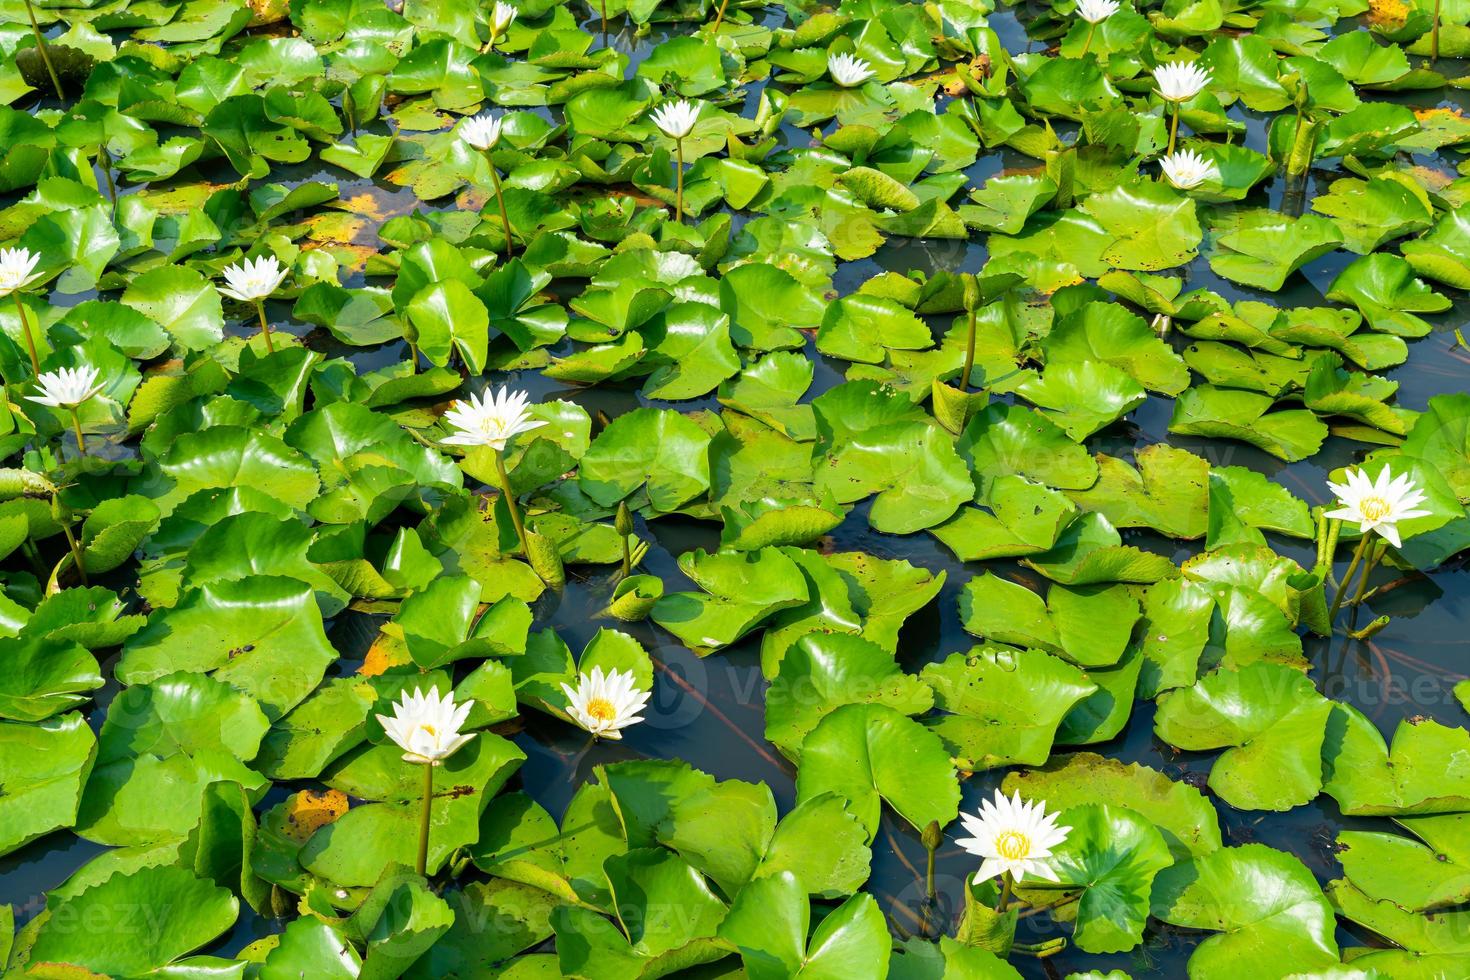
(710,711)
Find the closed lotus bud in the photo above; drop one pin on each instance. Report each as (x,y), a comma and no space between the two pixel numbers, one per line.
(545,559)
(933,835)
(283,903)
(624,520)
(972,290)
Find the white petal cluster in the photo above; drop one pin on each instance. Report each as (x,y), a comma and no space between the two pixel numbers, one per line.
(502,17)
(1186,169)
(1377,505)
(426,726)
(482,131)
(490,419)
(1180,81)
(847,70)
(676,119)
(1096,11)
(1013,837)
(605,704)
(253,279)
(17,269)
(66,387)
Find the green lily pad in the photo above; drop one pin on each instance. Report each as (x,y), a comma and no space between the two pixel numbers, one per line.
(1004,705)
(871,753)
(1272,723)
(1269,914)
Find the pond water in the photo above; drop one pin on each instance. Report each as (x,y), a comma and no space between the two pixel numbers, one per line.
(709,711)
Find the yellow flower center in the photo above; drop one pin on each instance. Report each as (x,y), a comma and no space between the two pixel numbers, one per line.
(1373,508)
(1012,845)
(430,730)
(601,709)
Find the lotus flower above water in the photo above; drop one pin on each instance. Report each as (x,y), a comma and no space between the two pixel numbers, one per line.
(847,70)
(426,726)
(1013,837)
(604,705)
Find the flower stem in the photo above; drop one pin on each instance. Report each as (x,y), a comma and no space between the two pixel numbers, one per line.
(71,539)
(500,200)
(679,183)
(969,353)
(423,861)
(265,327)
(25,327)
(1174,128)
(604,20)
(1374,554)
(1005,892)
(105,159)
(1434,35)
(349,111)
(720,17)
(627,558)
(1347,577)
(510,500)
(76,426)
(1087,44)
(43,51)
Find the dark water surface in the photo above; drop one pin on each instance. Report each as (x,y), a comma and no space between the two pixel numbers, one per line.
(710,712)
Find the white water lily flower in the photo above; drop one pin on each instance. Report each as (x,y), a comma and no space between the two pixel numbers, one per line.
(847,70)
(605,705)
(1186,169)
(253,279)
(1180,81)
(502,17)
(482,131)
(676,119)
(490,420)
(66,387)
(17,269)
(1012,836)
(1096,11)
(426,726)
(1377,505)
